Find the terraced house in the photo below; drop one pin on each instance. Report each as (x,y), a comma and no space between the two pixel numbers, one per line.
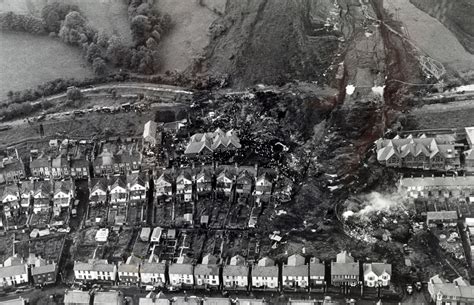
(377,274)
(181,273)
(64,193)
(129,273)
(264,184)
(265,274)
(235,274)
(344,271)
(60,167)
(440,153)
(44,273)
(118,190)
(13,272)
(153,273)
(461,187)
(80,168)
(11,170)
(98,190)
(40,167)
(164,184)
(206,274)
(203,144)
(95,270)
(443,292)
(137,185)
(26,189)
(203,181)
(316,272)
(184,185)
(295,273)
(225,180)
(42,196)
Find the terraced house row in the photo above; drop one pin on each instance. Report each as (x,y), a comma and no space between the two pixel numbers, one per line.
(237,274)
(34,271)
(191,183)
(38,195)
(119,189)
(435,153)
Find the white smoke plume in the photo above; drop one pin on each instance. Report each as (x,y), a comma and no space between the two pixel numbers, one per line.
(373,202)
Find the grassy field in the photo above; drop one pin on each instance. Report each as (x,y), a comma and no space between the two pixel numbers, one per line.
(432,37)
(452,115)
(27,61)
(104,15)
(189,35)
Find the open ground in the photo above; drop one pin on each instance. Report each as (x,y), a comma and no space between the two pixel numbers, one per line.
(432,37)
(189,35)
(27,61)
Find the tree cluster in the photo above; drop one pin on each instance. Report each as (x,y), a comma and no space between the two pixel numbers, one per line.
(65,20)
(22,23)
(54,13)
(148,27)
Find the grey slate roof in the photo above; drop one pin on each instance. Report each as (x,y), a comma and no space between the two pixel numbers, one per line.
(157,268)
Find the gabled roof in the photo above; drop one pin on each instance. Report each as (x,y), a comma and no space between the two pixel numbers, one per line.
(77,297)
(204,269)
(166,176)
(458,289)
(94,265)
(108,298)
(266,176)
(377,268)
(41,161)
(237,260)
(157,268)
(266,261)
(149,129)
(49,268)
(245,177)
(209,259)
(232,270)
(300,270)
(59,162)
(204,172)
(296,260)
(132,268)
(344,257)
(316,268)
(43,187)
(79,163)
(138,178)
(184,174)
(12,271)
(98,184)
(344,265)
(442,215)
(62,186)
(423,145)
(11,165)
(197,147)
(180,269)
(27,187)
(227,173)
(118,182)
(264,271)
(10,190)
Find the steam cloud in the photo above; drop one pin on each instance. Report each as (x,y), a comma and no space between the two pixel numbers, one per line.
(371,203)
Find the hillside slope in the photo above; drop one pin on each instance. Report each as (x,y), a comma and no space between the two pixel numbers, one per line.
(262,41)
(457,16)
